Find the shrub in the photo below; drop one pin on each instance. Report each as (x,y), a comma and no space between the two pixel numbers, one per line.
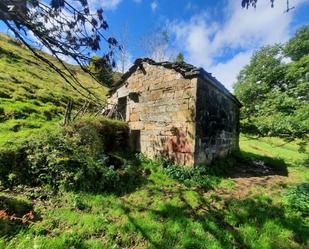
(298,198)
(205,176)
(101,133)
(72,158)
(194,176)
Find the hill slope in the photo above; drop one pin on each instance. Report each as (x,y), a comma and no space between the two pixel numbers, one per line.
(33,96)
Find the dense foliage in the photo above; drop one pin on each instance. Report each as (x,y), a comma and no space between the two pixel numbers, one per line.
(275,92)
(103,72)
(77,157)
(205,177)
(298,198)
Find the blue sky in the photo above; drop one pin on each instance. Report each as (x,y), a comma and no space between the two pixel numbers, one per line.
(219,36)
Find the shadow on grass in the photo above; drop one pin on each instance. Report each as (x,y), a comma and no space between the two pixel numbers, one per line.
(15,214)
(243,223)
(250,164)
(241,164)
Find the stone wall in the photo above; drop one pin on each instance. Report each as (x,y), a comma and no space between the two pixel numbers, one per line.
(161,105)
(217,123)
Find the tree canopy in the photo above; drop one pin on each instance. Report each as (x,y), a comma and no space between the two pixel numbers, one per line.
(298,46)
(247,3)
(102,71)
(274,91)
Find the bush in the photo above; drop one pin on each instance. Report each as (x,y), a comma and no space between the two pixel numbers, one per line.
(298,198)
(101,133)
(193,176)
(72,158)
(205,176)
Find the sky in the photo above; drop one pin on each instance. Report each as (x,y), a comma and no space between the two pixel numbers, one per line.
(219,35)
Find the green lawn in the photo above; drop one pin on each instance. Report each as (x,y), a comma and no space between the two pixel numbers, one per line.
(164,213)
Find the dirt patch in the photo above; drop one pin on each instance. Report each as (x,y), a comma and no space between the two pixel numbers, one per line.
(252,178)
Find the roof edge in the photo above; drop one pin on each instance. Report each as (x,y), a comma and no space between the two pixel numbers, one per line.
(188,71)
(217,84)
(185,69)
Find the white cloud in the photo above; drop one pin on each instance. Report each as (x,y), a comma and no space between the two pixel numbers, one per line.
(154,6)
(224,48)
(105,4)
(227,72)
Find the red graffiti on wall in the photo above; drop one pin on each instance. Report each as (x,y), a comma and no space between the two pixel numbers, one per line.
(178,147)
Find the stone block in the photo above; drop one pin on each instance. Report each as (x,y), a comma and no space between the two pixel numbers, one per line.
(150,126)
(134,117)
(154,95)
(183,116)
(179,94)
(136,125)
(188,93)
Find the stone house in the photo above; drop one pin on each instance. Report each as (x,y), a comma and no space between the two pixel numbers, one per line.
(176,110)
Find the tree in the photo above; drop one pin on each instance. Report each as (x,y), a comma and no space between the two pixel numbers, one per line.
(123,52)
(180,58)
(103,72)
(275,93)
(298,46)
(265,72)
(155,45)
(64,27)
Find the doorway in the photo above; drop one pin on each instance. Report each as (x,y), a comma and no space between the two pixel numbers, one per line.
(135,140)
(122,108)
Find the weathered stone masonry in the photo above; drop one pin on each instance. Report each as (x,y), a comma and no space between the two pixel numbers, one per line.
(174,110)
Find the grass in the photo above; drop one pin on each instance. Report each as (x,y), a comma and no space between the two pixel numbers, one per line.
(165,213)
(31,95)
(274,147)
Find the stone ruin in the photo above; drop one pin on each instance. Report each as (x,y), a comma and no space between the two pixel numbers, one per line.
(176,110)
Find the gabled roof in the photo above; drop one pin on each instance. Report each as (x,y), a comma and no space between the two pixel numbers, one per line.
(188,71)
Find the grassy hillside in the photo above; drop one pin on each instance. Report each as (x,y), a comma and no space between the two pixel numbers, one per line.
(31,95)
(241,211)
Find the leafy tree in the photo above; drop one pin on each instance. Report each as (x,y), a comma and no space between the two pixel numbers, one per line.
(102,70)
(275,93)
(65,27)
(265,72)
(298,46)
